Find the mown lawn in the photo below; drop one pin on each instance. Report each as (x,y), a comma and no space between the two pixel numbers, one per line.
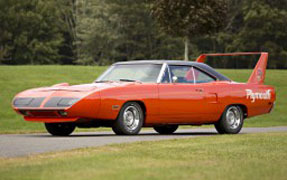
(247,156)
(14,79)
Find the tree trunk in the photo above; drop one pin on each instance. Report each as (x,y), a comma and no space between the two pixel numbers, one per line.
(186,53)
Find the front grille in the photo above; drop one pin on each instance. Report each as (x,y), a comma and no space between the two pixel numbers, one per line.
(43,113)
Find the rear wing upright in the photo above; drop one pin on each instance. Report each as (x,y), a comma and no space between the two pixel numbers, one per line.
(258,74)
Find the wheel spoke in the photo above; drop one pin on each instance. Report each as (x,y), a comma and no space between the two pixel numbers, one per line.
(131,118)
(233,117)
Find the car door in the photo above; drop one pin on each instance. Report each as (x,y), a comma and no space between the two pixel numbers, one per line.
(207,85)
(181,100)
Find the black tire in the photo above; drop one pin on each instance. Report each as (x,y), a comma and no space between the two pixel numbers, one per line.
(60,129)
(231,121)
(166,129)
(131,122)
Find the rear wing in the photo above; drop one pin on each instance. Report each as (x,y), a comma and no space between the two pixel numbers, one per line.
(258,74)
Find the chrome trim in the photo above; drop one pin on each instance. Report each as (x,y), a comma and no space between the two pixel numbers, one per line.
(161,73)
(105,73)
(233,117)
(131,118)
(194,82)
(170,80)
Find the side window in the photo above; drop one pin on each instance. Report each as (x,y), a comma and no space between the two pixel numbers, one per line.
(201,77)
(166,78)
(183,74)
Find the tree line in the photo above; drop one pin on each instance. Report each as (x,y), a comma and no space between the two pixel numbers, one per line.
(101,32)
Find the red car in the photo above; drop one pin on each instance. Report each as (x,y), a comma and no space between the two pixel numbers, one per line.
(159,94)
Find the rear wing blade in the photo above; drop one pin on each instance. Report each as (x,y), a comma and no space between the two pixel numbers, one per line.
(258,74)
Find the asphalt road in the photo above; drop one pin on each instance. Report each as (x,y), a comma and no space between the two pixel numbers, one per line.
(15,145)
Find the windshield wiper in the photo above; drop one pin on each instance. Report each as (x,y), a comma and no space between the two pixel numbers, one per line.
(130,80)
(123,80)
(103,81)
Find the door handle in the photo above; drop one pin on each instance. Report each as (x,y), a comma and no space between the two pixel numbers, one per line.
(199,90)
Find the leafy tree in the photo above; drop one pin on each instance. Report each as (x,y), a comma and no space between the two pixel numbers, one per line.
(104,31)
(188,18)
(119,30)
(67,11)
(138,34)
(31,31)
(263,29)
(94,32)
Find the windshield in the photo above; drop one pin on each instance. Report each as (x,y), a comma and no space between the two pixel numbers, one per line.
(147,73)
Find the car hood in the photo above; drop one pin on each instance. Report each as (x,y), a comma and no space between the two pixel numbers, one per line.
(65,88)
(84,87)
(75,88)
(44,95)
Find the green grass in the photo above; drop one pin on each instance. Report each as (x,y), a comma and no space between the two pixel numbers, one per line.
(250,156)
(14,79)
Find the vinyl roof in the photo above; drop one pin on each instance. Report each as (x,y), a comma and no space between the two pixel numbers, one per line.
(171,62)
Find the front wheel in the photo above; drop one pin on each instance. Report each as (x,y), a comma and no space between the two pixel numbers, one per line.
(60,129)
(130,119)
(231,121)
(166,129)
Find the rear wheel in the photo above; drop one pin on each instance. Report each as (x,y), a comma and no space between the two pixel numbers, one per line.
(231,121)
(60,129)
(166,129)
(130,119)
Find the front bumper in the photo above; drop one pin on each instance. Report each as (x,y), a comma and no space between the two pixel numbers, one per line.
(51,119)
(47,116)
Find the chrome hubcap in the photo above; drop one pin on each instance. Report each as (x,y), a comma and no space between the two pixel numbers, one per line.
(233,117)
(131,118)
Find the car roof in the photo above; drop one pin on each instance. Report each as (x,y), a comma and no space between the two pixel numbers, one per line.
(202,66)
(171,62)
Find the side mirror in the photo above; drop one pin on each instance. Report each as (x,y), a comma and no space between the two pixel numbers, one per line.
(174,79)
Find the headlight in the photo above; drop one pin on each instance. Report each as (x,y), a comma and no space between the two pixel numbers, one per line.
(61,102)
(22,101)
(66,102)
(28,102)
